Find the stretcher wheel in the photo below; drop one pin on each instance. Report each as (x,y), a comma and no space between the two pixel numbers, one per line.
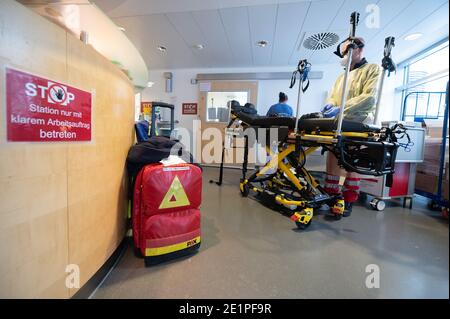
(300,218)
(245,189)
(303,226)
(378,204)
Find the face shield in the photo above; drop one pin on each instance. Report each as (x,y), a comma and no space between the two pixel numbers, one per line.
(343,47)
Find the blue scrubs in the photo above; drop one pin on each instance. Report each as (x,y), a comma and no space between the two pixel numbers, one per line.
(280,109)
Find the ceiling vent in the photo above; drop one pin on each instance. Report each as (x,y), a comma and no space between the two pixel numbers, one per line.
(320,41)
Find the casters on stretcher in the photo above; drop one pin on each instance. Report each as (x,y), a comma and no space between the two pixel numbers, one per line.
(304,218)
(244,188)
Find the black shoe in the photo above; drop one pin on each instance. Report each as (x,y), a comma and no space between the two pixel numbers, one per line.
(348,209)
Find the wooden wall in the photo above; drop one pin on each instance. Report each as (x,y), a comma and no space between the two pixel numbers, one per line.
(60,203)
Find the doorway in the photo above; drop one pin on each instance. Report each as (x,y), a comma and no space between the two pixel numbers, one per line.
(214,112)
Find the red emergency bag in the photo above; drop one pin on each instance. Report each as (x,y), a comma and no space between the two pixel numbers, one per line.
(166,211)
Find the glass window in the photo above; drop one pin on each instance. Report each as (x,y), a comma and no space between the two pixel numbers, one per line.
(218,106)
(425,84)
(426,101)
(431,64)
(137,106)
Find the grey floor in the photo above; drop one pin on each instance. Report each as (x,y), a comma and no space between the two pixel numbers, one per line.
(249,251)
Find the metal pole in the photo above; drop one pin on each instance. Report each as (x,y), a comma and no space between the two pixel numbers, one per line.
(380,93)
(344,91)
(387,65)
(354,20)
(443,146)
(219,183)
(299,97)
(302,67)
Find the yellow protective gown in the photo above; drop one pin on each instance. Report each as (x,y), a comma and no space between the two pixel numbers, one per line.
(362,89)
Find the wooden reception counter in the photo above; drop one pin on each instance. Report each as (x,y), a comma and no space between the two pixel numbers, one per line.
(61,203)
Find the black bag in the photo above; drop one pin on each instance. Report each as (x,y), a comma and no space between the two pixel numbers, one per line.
(153,151)
(248,108)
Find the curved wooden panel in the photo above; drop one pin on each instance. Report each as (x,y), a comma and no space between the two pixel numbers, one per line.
(61,203)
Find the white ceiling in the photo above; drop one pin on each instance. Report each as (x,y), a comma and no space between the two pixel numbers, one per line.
(229,29)
(78,16)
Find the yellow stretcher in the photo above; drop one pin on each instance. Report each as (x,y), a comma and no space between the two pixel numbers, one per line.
(285,184)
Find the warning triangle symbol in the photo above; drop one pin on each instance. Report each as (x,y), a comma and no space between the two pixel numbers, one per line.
(175,196)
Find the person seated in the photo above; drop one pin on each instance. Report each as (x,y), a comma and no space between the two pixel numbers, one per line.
(281,109)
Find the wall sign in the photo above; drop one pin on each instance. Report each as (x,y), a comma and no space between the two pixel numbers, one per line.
(41,110)
(146,108)
(189,108)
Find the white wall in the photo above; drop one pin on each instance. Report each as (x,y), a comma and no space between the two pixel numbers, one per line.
(391,103)
(184,91)
(312,100)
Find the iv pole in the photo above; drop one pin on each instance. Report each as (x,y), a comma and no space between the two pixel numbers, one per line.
(354,20)
(388,65)
(301,69)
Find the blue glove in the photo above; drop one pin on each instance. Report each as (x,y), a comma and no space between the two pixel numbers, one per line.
(326,108)
(332,112)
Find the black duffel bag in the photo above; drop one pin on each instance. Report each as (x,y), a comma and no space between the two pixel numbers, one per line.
(153,151)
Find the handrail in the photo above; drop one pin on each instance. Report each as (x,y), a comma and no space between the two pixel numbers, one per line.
(438,196)
(425,116)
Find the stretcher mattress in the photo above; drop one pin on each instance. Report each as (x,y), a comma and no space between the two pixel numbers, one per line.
(266,121)
(329,125)
(306,125)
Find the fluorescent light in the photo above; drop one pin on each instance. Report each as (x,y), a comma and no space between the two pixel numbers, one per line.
(121,28)
(199,46)
(413,36)
(150,84)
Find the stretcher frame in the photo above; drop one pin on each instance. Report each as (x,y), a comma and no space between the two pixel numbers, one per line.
(309,194)
(306,193)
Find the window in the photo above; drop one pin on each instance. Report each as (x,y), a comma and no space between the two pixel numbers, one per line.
(425,83)
(218,106)
(137,106)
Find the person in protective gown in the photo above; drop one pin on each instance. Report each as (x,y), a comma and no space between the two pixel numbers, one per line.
(360,106)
